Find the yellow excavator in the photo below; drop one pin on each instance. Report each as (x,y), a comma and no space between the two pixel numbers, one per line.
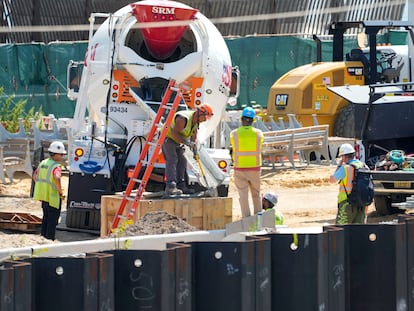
(305,91)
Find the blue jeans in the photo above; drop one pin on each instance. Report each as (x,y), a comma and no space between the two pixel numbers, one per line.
(175,162)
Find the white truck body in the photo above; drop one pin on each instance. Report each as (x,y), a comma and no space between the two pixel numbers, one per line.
(125,72)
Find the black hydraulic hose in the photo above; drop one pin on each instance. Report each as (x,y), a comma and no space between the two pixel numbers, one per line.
(108,94)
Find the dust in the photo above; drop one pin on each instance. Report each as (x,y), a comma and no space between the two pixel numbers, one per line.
(301,177)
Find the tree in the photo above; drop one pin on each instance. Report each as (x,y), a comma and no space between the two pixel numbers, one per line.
(11,112)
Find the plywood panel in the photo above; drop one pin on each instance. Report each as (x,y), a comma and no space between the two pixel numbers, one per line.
(214,214)
(202,213)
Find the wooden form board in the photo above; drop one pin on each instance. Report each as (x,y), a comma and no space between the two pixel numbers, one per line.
(202,213)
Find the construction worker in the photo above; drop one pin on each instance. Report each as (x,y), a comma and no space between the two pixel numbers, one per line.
(343,175)
(183,131)
(246,142)
(269,202)
(48,188)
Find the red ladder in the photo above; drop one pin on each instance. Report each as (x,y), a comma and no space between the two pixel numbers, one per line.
(157,143)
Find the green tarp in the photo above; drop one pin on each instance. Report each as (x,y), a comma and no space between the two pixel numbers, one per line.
(38,71)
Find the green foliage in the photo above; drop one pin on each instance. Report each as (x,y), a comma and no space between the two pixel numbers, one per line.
(11,113)
(118,233)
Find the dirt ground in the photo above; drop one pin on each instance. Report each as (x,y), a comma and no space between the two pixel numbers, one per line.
(305,197)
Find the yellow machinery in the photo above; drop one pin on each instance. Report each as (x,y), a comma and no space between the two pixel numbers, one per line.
(304,91)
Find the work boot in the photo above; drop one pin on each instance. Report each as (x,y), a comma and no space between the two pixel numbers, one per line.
(185,189)
(172,190)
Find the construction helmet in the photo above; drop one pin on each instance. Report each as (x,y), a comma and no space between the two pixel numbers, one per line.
(346,149)
(206,109)
(248,112)
(57,147)
(271,197)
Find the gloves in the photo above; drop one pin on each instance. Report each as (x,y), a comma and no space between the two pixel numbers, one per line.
(193,146)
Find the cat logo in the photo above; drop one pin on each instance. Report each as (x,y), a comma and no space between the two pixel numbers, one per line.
(281,100)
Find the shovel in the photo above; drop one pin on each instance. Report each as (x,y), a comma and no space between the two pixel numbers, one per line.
(205,178)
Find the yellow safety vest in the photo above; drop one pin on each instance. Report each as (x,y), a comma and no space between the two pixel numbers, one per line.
(345,185)
(45,188)
(189,128)
(247,144)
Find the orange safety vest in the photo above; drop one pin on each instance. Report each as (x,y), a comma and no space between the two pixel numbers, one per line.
(345,186)
(247,144)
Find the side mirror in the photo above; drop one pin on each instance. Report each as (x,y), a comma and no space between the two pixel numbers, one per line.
(235,86)
(74,73)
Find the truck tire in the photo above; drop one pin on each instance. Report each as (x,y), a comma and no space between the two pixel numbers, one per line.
(382,204)
(345,122)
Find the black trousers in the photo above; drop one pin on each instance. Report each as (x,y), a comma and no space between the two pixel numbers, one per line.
(50,220)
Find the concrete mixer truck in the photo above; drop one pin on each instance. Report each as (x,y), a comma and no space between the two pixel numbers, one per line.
(131,58)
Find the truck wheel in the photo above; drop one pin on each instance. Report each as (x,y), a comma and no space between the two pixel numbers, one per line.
(382,204)
(345,122)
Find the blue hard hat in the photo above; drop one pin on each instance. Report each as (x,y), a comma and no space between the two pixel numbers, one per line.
(248,112)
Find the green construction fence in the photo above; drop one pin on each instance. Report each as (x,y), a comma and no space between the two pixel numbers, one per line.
(38,72)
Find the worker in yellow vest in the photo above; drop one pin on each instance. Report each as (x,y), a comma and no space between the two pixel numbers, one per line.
(183,131)
(48,188)
(343,175)
(246,142)
(269,202)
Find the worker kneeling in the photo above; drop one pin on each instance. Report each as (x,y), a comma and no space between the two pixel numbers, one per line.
(269,202)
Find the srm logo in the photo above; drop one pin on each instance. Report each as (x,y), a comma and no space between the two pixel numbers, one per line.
(162,10)
(281,100)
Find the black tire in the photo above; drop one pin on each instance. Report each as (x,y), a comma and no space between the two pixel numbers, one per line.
(345,122)
(223,190)
(382,204)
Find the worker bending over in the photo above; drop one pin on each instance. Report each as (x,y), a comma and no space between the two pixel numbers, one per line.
(183,131)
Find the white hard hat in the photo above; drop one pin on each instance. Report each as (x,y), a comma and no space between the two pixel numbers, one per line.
(346,149)
(271,197)
(57,147)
